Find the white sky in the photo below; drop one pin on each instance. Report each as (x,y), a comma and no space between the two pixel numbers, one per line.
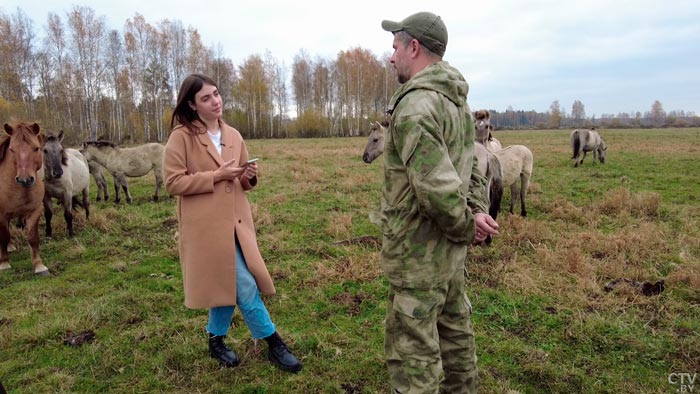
(613,55)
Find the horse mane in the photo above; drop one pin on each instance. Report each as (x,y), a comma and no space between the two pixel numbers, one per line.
(482,114)
(101,143)
(4,144)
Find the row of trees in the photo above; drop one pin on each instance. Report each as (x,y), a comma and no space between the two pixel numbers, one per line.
(96,82)
(557,118)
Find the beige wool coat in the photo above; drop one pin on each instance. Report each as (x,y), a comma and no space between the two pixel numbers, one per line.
(209,214)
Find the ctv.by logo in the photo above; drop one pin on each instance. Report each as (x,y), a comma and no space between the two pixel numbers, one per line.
(684,380)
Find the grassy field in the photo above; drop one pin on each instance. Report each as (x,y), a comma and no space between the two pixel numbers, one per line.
(544,321)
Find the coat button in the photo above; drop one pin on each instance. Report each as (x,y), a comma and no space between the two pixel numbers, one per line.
(228,190)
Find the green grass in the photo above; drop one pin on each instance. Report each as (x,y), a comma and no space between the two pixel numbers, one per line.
(543,320)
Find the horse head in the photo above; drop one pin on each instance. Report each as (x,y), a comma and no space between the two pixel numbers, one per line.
(92,148)
(54,156)
(482,125)
(23,148)
(375,141)
(602,151)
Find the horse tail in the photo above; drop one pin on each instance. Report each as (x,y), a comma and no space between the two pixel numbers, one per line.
(495,174)
(576,142)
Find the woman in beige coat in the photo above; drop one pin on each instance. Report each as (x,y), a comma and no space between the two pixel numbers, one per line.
(206,166)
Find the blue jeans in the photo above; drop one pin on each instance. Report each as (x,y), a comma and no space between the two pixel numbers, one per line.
(248,298)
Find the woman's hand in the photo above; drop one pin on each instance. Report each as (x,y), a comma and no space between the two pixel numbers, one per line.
(228,171)
(250,171)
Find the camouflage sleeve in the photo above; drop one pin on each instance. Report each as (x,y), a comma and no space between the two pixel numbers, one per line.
(476,198)
(432,176)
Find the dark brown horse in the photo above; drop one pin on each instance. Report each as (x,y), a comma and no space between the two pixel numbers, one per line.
(21,189)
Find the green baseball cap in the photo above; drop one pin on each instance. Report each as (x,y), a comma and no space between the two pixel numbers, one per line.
(425,27)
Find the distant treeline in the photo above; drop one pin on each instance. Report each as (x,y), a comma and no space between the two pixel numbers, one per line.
(91,81)
(557,118)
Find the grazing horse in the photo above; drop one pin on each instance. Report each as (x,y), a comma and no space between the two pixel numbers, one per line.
(21,188)
(484,130)
(489,166)
(583,141)
(66,175)
(96,172)
(516,162)
(127,162)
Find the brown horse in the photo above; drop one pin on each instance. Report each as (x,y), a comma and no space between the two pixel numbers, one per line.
(21,189)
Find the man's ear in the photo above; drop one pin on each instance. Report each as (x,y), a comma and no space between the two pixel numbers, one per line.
(415,47)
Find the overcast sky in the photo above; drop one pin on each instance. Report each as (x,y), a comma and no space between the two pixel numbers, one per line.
(612,55)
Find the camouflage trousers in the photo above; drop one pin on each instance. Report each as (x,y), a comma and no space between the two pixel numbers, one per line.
(429,345)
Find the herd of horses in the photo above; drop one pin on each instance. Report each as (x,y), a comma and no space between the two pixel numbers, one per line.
(502,167)
(36,168)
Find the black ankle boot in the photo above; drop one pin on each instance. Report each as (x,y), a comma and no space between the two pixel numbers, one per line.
(281,356)
(221,352)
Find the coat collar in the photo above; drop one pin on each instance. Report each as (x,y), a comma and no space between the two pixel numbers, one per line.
(226,142)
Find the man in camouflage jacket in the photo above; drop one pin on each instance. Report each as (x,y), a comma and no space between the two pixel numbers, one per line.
(433,207)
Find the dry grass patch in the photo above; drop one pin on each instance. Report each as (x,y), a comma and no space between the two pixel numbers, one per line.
(339,225)
(348,268)
(639,205)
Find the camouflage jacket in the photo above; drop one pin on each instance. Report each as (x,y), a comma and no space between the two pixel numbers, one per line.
(431,186)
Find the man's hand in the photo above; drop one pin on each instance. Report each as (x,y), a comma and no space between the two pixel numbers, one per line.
(485,226)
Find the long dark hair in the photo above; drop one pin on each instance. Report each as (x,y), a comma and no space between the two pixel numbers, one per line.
(183,114)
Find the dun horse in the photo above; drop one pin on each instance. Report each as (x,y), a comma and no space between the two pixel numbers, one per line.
(584,141)
(66,175)
(127,162)
(488,164)
(516,162)
(21,188)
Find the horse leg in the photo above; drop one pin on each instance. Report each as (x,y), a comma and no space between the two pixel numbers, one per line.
(105,188)
(125,188)
(86,202)
(117,192)
(68,213)
(48,214)
(33,238)
(159,183)
(513,196)
(4,242)
(524,183)
(101,187)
